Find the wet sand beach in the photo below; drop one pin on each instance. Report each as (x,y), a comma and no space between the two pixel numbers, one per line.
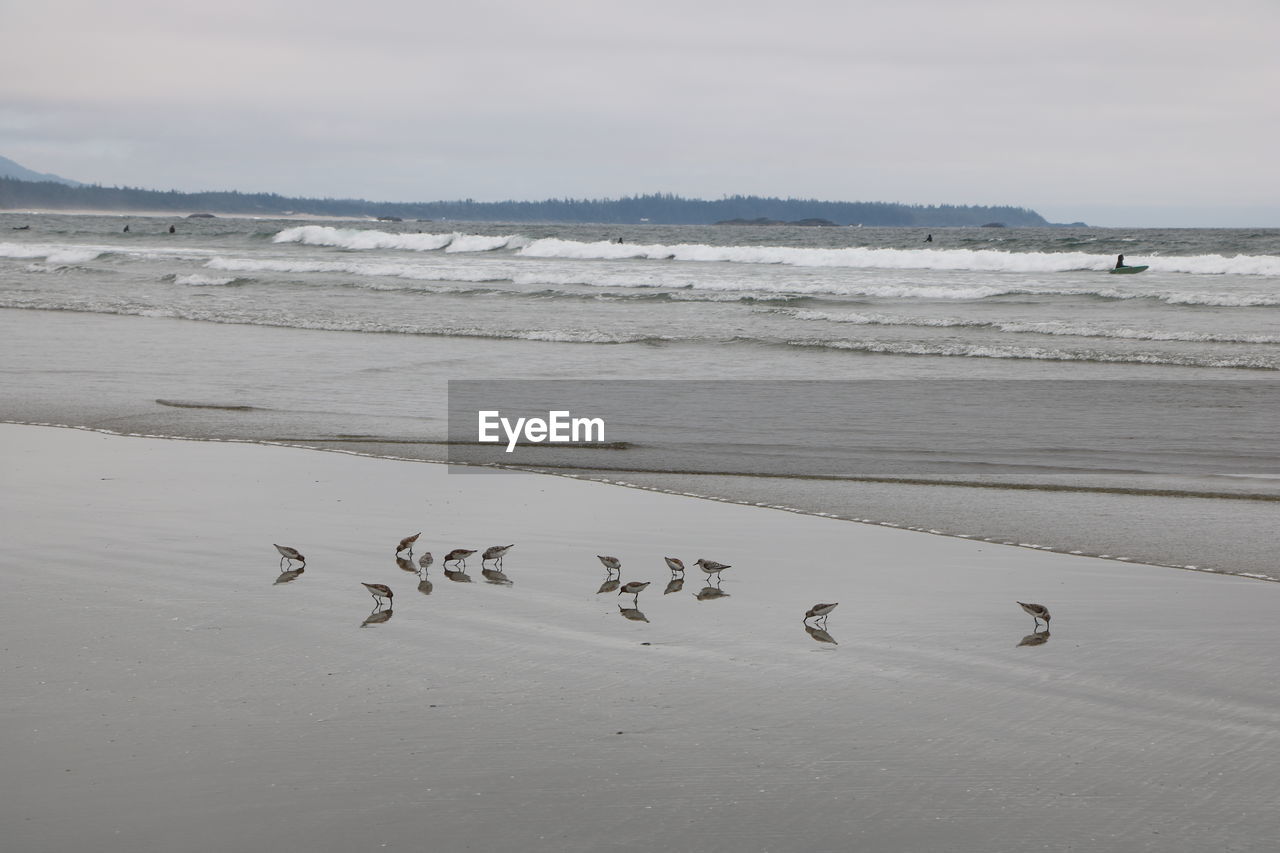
(164,693)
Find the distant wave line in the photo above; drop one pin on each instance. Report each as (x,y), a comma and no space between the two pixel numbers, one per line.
(904,481)
(1050,327)
(857,257)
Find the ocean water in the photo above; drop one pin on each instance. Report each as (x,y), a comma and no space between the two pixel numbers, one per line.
(345,334)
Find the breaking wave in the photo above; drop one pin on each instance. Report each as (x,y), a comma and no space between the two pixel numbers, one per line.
(358,239)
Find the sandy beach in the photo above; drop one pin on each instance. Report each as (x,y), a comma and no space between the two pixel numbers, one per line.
(163,694)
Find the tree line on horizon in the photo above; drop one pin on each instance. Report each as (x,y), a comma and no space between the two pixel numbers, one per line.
(656,208)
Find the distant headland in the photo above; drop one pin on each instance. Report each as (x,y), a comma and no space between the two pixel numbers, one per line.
(18,191)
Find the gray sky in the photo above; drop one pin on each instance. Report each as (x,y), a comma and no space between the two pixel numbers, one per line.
(1116,112)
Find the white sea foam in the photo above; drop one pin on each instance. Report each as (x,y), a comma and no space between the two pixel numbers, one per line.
(360,239)
(52,254)
(196,280)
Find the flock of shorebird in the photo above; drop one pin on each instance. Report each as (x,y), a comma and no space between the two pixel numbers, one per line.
(815,618)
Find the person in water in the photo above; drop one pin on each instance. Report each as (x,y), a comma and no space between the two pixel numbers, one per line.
(172,229)
(929,239)
(1120,262)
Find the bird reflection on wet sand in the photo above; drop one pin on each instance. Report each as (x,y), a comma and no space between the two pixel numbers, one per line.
(1035,638)
(819,634)
(457,575)
(377,617)
(495,576)
(611,584)
(632,613)
(711,591)
(289,576)
(406,565)
(674,585)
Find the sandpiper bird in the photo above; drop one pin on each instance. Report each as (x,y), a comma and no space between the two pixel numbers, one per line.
(1037,611)
(820,611)
(407,543)
(711,567)
(610,563)
(674,564)
(458,555)
(291,554)
(633,588)
(424,561)
(378,591)
(496,553)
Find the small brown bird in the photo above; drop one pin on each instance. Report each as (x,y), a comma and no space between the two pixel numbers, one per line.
(1038,612)
(610,563)
(407,543)
(291,554)
(633,588)
(711,567)
(496,553)
(675,564)
(820,611)
(458,555)
(378,591)
(424,561)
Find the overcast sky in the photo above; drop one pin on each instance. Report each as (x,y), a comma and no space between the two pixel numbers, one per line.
(1119,112)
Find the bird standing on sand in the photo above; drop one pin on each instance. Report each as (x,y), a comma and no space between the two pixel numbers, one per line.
(424,561)
(711,567)
(820,611)
(379,591)
(459,556)
(633,588)
(610,563)
(290,554)
(1038,612)
(496,553)
(675,564)
(407,542)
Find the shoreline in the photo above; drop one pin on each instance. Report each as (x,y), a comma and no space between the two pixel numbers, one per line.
(165,695)
(663,490)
